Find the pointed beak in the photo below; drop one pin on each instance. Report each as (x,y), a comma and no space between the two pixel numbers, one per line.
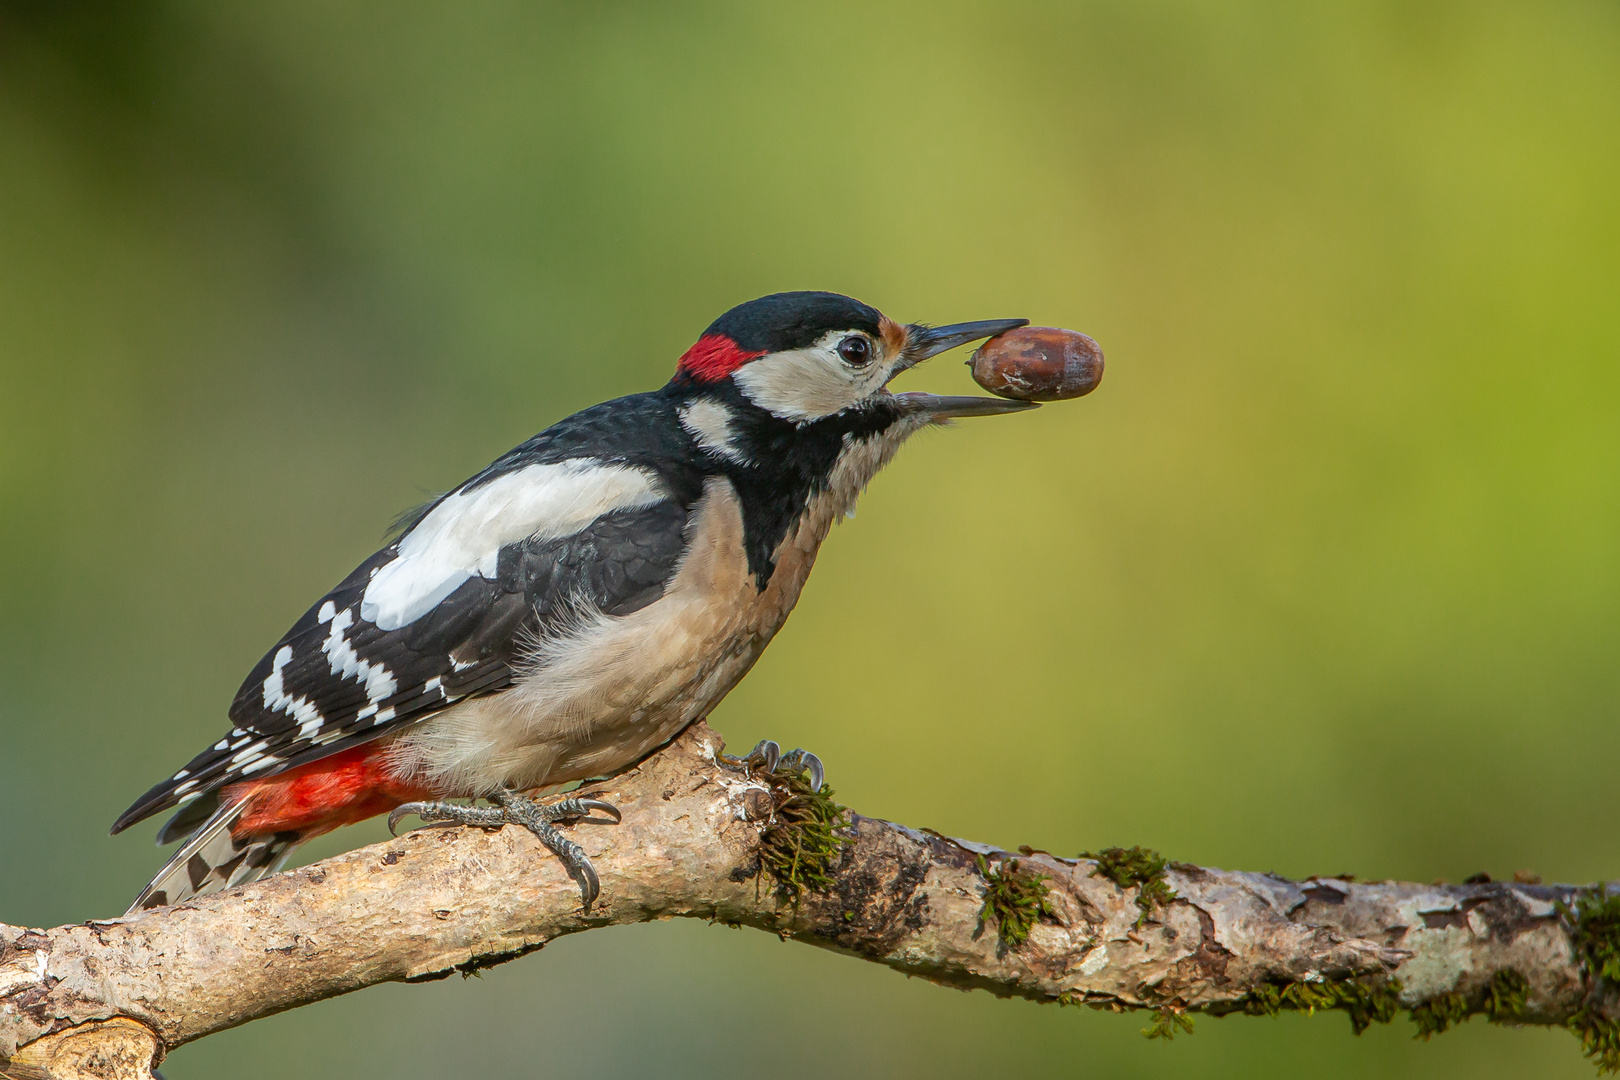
(925,341)
(938,407)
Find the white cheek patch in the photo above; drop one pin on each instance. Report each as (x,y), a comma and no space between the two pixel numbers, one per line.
(807,384)
(462,536)
(798,385)
(709,424)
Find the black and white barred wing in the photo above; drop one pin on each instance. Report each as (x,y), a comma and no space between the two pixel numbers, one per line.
(443,614)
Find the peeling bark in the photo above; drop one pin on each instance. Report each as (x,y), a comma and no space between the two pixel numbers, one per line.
(438,901)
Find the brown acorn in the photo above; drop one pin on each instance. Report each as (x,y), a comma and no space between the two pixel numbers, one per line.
(1038,363)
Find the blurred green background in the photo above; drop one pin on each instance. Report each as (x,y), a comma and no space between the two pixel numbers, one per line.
(1323,579)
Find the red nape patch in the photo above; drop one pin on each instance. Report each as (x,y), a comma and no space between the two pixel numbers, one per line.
(713,358)
(351,785)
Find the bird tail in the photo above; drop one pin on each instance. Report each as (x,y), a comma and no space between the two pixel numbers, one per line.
(212,859)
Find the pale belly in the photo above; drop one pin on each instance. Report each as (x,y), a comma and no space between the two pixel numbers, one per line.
(617,688)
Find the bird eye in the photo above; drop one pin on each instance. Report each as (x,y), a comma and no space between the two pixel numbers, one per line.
(855,350)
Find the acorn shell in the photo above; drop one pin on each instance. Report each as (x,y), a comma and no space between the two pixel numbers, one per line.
(1038,363)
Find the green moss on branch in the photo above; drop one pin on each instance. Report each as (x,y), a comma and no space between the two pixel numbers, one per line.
(1169,1020)
(802,840)
(1440,1013)
(1507,996)
(1014,899)
(1594,928)
(1135,867)
(1367,1000)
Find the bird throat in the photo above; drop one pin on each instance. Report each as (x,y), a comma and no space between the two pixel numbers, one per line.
(816,483)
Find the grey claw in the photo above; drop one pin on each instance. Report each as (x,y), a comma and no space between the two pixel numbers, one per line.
(578,812)
(400,812)
(605,807)
(576,862)
(767,754)
(538,818)
(802,760)
(513,808)
(589,886)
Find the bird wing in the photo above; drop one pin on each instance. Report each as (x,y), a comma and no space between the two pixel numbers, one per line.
(443,614)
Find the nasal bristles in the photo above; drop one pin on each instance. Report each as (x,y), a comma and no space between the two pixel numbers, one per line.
(893,334)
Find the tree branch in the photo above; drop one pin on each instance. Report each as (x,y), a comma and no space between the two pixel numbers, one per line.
(1173,939)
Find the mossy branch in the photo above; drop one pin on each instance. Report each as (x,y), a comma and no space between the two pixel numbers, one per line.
(1122,929)
(1014,899)
(801,839)
(1136,868)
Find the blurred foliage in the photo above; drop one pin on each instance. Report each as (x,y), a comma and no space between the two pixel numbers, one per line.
(1322,579)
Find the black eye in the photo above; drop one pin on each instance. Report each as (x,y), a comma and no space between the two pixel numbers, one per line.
(855,350)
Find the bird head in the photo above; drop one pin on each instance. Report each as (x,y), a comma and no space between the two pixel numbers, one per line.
(807,356)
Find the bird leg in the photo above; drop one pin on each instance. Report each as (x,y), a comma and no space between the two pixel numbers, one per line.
(539,818)
(768,756)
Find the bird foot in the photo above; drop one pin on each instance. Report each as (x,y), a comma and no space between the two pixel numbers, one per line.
(768,757)
(539,818)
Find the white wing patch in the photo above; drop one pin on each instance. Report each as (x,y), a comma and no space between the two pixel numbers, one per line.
(463,535)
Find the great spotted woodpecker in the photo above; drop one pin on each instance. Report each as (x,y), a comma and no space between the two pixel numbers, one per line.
(570,608)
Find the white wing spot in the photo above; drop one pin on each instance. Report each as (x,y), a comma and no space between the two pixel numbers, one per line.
(276,698)
(346,662)
(328,609)
(249,753)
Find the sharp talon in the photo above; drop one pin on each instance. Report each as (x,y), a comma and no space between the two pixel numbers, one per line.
(578,812)
(803,761)
(400,812)
(766,754)
(538,819)
(589,885)
(437,814)
(606,808)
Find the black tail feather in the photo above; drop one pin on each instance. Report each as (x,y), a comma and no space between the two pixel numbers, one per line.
(212,859)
